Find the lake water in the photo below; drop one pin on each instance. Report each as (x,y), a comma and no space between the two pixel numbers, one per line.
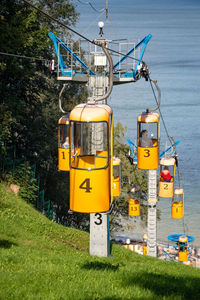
(173,57)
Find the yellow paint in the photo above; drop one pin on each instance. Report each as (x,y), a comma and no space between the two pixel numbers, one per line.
(116,177)
(90,191)
(166,189)
(144,249)
(116,187)
(148,157)
(183,249)
(134,208)
(90,175)
(177,210)
(63,159)
(63,151)
(178,204)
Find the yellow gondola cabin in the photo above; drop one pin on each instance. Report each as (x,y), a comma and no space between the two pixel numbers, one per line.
(183,249)
(144,244)
(166,178)
(91,143)
(63,143)
(134,204)
(116,177)
(178,204)
(148,140)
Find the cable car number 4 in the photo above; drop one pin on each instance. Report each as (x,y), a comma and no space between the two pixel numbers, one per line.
(85,185)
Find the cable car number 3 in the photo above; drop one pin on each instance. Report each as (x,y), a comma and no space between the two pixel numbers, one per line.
(85,185)
(147,153)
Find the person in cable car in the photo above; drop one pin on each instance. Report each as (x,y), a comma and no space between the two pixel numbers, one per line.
(145,141)
(165,175)
(66,143)
(133,190)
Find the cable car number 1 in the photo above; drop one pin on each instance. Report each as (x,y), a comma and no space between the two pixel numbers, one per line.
(63,153)
(85,185)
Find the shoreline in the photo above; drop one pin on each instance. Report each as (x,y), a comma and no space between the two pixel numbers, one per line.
(165,251)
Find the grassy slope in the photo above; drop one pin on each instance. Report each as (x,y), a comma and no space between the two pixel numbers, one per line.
(43,260)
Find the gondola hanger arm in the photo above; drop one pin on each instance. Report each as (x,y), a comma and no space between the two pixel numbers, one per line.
(159,95)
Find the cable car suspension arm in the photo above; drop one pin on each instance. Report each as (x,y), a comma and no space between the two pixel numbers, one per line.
(59,99)
(159,94)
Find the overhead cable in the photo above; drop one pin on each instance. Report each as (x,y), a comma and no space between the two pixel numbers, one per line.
(57,21)
(23,56)
(87,29)
(160,110)
(89,3)
(74,31)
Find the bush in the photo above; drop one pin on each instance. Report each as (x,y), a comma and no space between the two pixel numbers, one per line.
(23,175)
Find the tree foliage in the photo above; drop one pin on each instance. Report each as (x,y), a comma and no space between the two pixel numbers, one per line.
(23,177)
(29,92)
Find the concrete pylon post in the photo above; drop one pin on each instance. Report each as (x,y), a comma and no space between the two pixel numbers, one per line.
(99,222)
(151,222)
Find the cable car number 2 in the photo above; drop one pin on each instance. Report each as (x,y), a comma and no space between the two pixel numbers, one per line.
(85,185)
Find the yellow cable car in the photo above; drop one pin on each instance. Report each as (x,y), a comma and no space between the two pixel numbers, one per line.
(116,177)
(166,178)
(178,204)
(91,152)
(183,248)
(148,140)
(144,243)
(134,204)
(63,143)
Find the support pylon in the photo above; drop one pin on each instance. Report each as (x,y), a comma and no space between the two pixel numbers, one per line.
(152,200)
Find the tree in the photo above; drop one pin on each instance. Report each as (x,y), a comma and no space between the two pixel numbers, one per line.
(29,92)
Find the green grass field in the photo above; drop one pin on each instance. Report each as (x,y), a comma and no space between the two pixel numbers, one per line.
(40,259)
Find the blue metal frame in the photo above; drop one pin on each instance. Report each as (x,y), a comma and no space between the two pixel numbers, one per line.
(167,255)
(162,153)
(132,149)
(133,146)
(175,237)
(62,65)
(145,42)
(67,71)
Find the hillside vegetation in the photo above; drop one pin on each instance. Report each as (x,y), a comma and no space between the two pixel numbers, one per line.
(40,259)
